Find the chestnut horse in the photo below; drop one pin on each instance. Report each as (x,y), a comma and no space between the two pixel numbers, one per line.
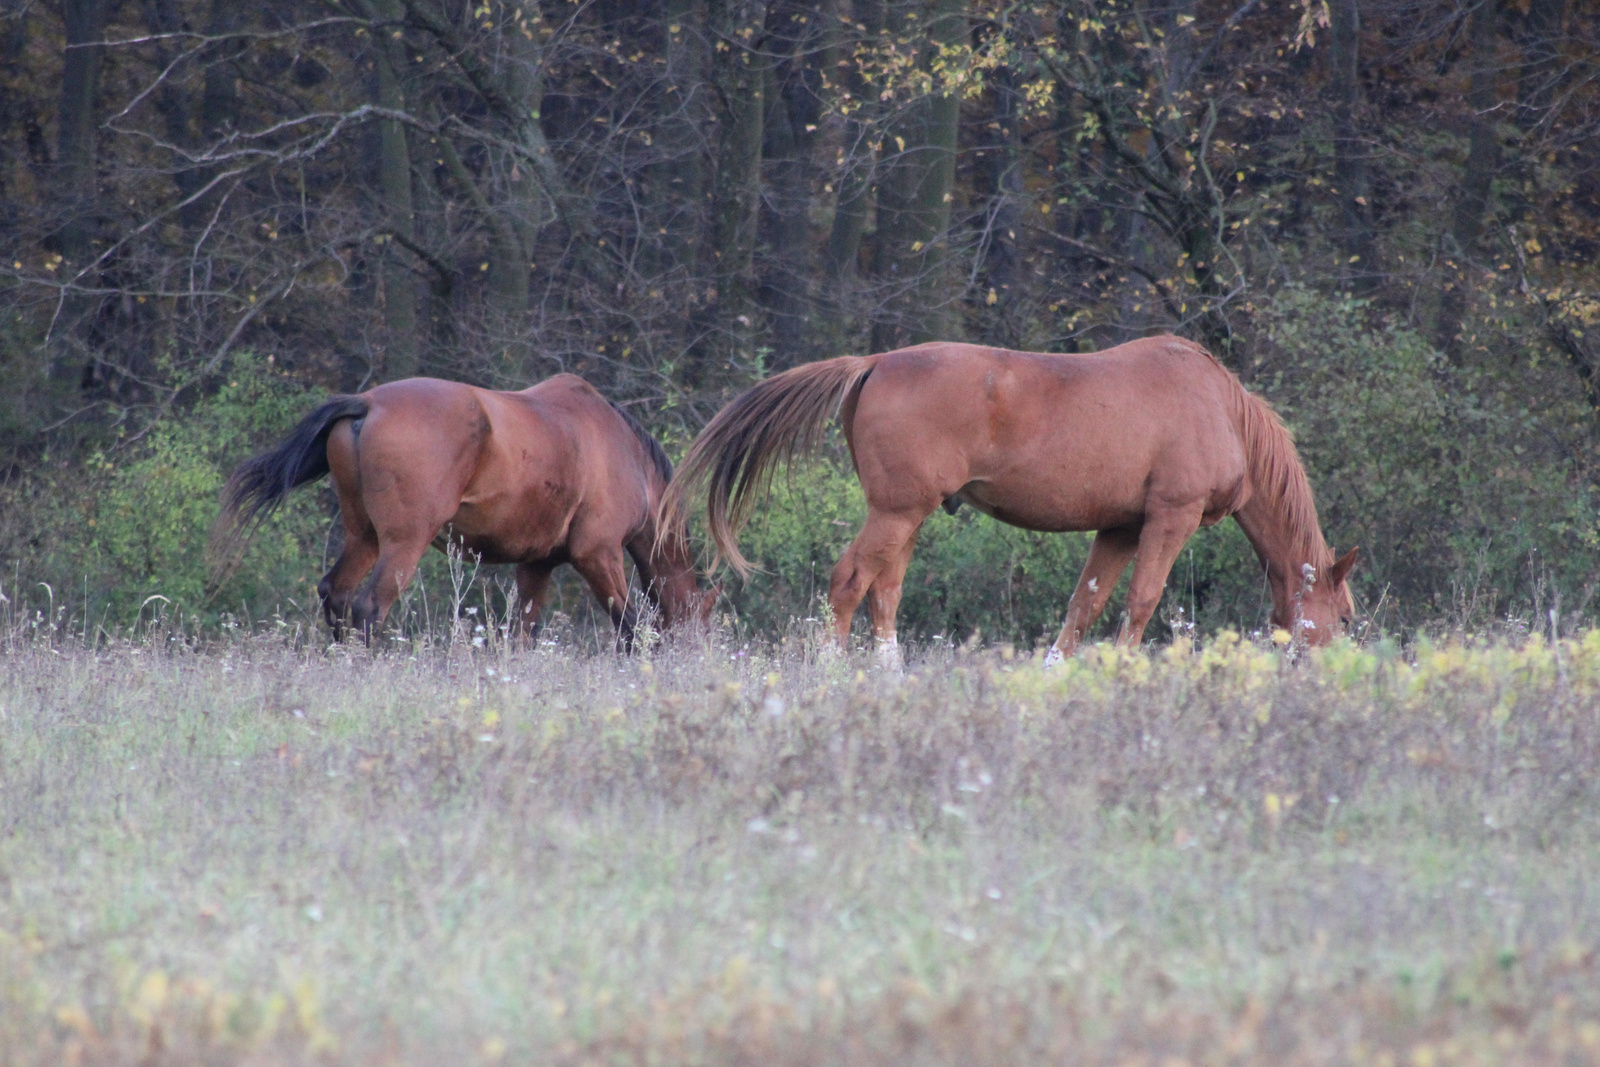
(1145,443)
(550,475)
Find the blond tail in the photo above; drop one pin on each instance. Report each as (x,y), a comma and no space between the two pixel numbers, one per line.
(736,454)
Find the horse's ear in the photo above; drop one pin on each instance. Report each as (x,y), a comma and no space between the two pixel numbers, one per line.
(1341,570)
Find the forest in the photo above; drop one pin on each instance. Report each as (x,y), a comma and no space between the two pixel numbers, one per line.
(1383,215)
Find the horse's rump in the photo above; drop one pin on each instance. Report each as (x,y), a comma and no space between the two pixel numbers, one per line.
(261,483)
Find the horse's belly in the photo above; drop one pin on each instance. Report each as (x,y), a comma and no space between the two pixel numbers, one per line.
(1050,510)
(493,537)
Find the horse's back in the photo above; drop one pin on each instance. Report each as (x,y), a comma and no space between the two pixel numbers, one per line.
(1138,395)
(612,445)
(600,465)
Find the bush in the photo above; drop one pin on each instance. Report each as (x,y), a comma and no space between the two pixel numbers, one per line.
(130,523)
(1456,480)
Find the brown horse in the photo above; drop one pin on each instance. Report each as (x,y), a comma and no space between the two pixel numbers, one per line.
(1145,443)
(550,475)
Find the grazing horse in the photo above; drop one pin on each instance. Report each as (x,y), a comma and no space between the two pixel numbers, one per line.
(549,475)
(1144,443)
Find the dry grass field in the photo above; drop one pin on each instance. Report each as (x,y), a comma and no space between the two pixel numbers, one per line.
(253,852)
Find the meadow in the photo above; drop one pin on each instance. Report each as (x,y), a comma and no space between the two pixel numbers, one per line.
(257,849)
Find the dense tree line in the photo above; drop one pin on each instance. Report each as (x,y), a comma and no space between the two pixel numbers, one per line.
(673,197)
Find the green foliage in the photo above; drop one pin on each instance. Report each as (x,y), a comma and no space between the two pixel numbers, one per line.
(25,399)
(131,524)
(1449,476)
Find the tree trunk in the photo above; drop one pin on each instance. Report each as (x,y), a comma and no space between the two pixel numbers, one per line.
(802,34)
(76,189)
(1472,199)
(430,234)
(1356,235)
(853,178)
(1542,68)
(1003,161)
(726,321)
(510,85)
(13,43)
(675,183)
(219,105)
(914,194)
(393,167)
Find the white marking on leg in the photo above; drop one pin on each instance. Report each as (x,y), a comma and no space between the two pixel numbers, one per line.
(1094,585)
(1052,657)
(889,653)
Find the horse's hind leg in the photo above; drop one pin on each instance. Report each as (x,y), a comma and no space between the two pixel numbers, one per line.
(337,589)
(1108,558)
(603,568)
(874,563)
(396,566)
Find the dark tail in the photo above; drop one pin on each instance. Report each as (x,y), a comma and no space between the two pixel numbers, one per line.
(260,484)
(738,451)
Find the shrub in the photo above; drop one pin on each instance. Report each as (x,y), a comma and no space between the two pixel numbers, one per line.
(1454,479)
(130,523)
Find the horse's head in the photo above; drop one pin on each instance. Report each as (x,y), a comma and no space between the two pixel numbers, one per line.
(708,603)
(1324,609)
(683,602)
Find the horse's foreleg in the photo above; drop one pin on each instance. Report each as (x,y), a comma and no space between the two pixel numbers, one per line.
(874,563)
(1108,558)
(1160,541)
(533,581)
(603,569)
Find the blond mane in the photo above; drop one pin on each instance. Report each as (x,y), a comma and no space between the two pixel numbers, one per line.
(1276,474)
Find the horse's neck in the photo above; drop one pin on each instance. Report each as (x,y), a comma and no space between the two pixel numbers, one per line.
(1281,551)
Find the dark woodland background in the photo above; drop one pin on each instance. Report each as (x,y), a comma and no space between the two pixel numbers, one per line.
(1383,214)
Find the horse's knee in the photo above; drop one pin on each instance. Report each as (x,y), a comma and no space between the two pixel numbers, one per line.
(1140,609)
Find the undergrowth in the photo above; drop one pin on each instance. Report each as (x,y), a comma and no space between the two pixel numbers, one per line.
(256,848)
